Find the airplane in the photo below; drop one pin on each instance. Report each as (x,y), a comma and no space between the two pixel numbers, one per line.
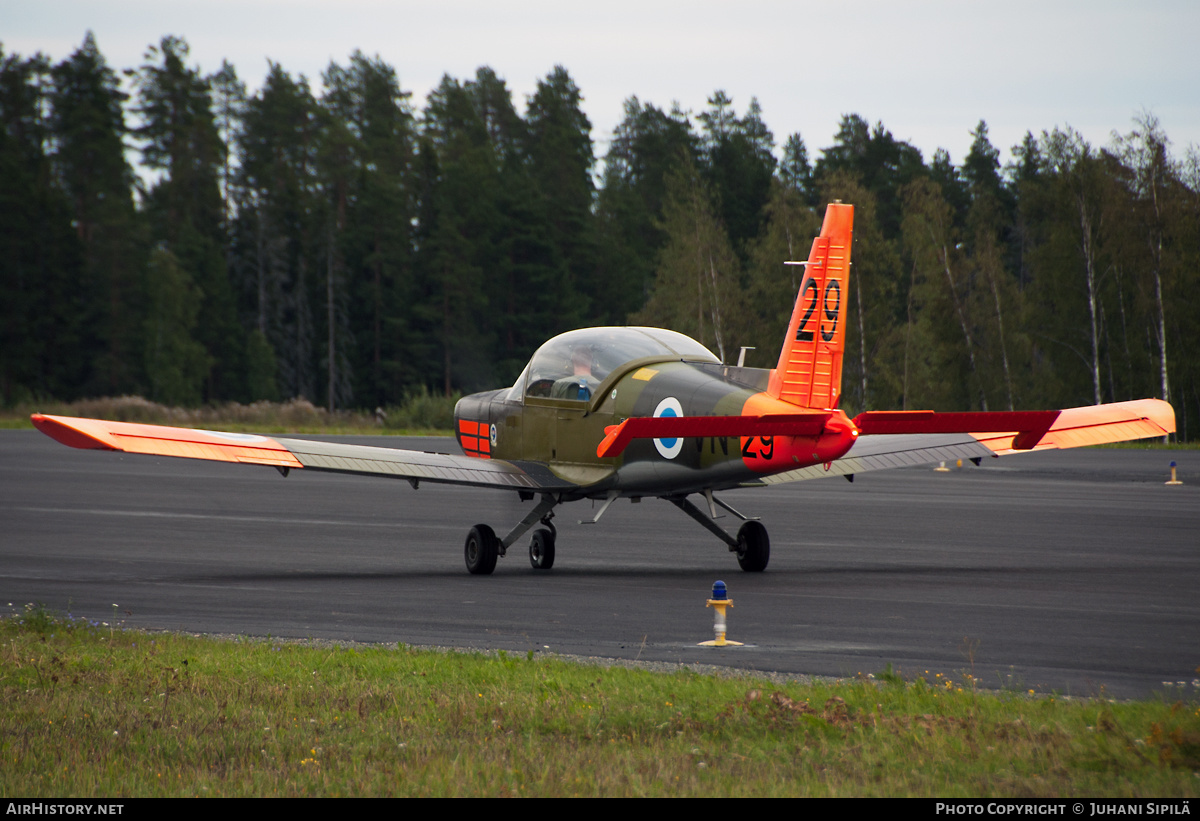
(633,412)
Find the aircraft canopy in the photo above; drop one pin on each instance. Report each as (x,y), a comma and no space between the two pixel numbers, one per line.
(573,364)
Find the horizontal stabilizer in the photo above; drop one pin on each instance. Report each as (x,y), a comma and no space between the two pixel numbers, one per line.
(672,427)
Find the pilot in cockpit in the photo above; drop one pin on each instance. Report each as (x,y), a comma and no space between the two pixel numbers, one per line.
(581,383)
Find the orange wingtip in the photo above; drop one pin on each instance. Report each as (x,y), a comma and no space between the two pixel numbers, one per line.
(161,440)
(1101,424)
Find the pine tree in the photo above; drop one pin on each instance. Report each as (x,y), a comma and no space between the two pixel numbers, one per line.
(697,288)
(1160,216)
(941,294)
(43,313)
(175,362)
(771,286)
(185,208)
(561,161)
(795,170)
(739,165)
(647,145)
(1081,198)
(373,207)
(88,123)
(879,338)
(281,263)
(458,216)
(880,162)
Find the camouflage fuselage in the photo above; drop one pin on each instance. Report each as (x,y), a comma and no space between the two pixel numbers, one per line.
(563,434)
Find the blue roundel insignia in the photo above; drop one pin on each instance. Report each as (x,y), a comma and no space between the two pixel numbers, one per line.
(669,448)
(492,435)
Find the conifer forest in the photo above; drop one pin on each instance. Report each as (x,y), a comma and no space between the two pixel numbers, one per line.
(165,233)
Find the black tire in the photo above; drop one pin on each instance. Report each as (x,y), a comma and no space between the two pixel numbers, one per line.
(481,550)
(754,547)
(541,549)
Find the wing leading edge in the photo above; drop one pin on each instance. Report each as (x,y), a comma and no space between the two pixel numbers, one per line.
(161,440)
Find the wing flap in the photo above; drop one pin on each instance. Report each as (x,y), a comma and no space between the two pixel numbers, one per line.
(671,427)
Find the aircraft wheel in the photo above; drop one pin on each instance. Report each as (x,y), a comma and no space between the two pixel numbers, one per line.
(754,547)
(541,549)
(481,550)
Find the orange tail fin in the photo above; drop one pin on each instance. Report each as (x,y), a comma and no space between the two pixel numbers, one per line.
(809,373)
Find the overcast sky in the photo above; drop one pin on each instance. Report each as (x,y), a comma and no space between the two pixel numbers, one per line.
(928,70)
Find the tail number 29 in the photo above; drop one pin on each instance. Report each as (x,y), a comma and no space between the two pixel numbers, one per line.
(832,302)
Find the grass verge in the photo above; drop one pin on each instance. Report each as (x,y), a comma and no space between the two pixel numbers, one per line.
(90,709)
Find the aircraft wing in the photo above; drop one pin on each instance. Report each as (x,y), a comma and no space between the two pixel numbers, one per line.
(892,439)
(287,454)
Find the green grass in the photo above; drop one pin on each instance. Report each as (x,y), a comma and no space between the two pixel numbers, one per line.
(89,709)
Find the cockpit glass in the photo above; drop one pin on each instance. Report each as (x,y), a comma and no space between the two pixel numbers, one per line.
(572,365)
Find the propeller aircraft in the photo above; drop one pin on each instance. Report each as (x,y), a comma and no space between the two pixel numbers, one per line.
(628,412)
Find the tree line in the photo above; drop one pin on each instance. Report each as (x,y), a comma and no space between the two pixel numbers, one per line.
(347,248)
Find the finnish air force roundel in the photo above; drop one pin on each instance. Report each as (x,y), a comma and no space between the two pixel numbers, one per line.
(669,448)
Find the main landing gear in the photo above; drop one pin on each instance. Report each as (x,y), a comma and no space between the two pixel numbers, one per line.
(541,548)
(482,548)
(481,551)
(752,545)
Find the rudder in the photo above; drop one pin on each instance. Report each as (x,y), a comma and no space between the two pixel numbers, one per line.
(809,372)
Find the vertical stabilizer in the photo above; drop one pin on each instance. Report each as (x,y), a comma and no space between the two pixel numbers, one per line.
(809,373)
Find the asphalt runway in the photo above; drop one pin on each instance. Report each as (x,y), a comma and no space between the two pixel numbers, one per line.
(1075,571)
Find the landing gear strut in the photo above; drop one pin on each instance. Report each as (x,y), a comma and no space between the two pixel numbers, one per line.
(483,548)
(752,545)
